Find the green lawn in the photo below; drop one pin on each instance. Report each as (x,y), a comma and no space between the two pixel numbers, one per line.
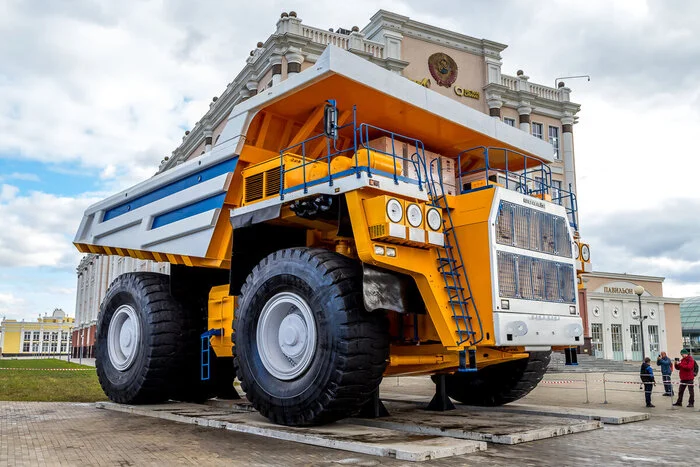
(44,385)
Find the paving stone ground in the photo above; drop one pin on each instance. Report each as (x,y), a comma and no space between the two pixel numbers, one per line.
(37,433)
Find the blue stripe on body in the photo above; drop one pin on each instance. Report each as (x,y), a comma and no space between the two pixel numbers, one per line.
(190,210)
(172,188)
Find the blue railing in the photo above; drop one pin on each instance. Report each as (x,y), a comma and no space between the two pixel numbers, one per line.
(520,172)
(307,150)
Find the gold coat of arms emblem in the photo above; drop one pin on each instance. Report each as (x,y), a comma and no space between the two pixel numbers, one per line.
(443,69)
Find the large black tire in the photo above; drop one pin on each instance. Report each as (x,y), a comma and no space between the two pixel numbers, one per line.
(166,361)
(498,384)
(351,345)
(158,353)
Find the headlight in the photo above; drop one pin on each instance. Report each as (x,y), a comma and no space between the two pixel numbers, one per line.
(585,252)
(577,251)
(414,214)
(434,218)
(394,210)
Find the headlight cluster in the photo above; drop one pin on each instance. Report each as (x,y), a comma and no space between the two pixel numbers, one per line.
(414,214)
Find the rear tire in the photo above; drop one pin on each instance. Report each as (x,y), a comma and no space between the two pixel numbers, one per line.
(306,350)
(498,384)
(139,344)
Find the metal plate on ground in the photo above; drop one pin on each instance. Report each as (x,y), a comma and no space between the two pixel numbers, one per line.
(342,435)
(479,425)
(611,417)
(607,416)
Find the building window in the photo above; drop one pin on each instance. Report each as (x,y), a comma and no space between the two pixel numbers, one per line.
(554,139)
(25,347)
(45,336)
(556,191)
(64,336)
(35,335)
(35,347)
(54,347)
(45,346)
(27,335)
(54,336)
(509,121)
(654,338)
(597,339)
(64,348)
(537,130)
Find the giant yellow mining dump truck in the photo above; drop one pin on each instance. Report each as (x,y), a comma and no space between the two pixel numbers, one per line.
(347,225)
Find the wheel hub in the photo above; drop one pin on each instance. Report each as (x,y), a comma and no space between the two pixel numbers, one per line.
(123,337)
(286,336)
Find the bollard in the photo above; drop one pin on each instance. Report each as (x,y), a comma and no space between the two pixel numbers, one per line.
(585,376)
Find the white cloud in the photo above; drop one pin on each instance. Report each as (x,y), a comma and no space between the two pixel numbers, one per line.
(38,228)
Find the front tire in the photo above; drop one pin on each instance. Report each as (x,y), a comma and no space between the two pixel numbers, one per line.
(498,384)
(306,350)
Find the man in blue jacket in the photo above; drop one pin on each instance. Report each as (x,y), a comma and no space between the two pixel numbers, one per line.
(666,370)
(646,373)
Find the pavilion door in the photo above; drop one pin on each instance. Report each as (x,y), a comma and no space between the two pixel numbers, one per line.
(617,346)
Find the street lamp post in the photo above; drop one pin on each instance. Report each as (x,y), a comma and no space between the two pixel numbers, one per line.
(639,290)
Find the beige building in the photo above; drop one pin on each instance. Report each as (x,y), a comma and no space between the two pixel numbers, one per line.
(464,68)
(614,324)
(48,335)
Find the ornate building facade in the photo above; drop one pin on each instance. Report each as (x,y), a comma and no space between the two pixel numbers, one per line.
(464,68)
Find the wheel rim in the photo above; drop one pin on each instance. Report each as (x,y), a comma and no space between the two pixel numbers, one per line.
(286,336)
(123,337)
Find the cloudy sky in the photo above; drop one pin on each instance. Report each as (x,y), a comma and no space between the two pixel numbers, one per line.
(93,94)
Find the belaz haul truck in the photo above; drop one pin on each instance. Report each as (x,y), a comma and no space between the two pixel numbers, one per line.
(348,224)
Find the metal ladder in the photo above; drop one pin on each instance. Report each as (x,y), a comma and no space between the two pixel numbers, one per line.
(205,358)
(450,262)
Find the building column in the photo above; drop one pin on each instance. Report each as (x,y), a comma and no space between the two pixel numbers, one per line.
(294,61)
(495,103)
(524,110)
(208,138)
(276,65)
(567,149)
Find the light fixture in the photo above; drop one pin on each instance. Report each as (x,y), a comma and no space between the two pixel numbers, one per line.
(434,218)
(394,210)
(391,252)
(414,214)
(505,304)
(585,252)
(378,250)
(572,309)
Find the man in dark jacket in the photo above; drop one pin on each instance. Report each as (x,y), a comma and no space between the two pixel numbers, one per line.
(666,370)
(686,369)
(646,373)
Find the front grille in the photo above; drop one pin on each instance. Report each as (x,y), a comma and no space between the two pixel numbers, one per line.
(531,278)
(377,231)
(530,229)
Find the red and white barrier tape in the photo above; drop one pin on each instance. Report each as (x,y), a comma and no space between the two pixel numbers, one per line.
(50,369)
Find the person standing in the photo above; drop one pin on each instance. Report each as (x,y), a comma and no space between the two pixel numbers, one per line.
(646,373)
(666,370)
(686,369)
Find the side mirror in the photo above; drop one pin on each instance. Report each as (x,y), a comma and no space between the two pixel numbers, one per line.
(330,120)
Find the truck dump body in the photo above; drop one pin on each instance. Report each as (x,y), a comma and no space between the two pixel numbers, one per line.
(176,216)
